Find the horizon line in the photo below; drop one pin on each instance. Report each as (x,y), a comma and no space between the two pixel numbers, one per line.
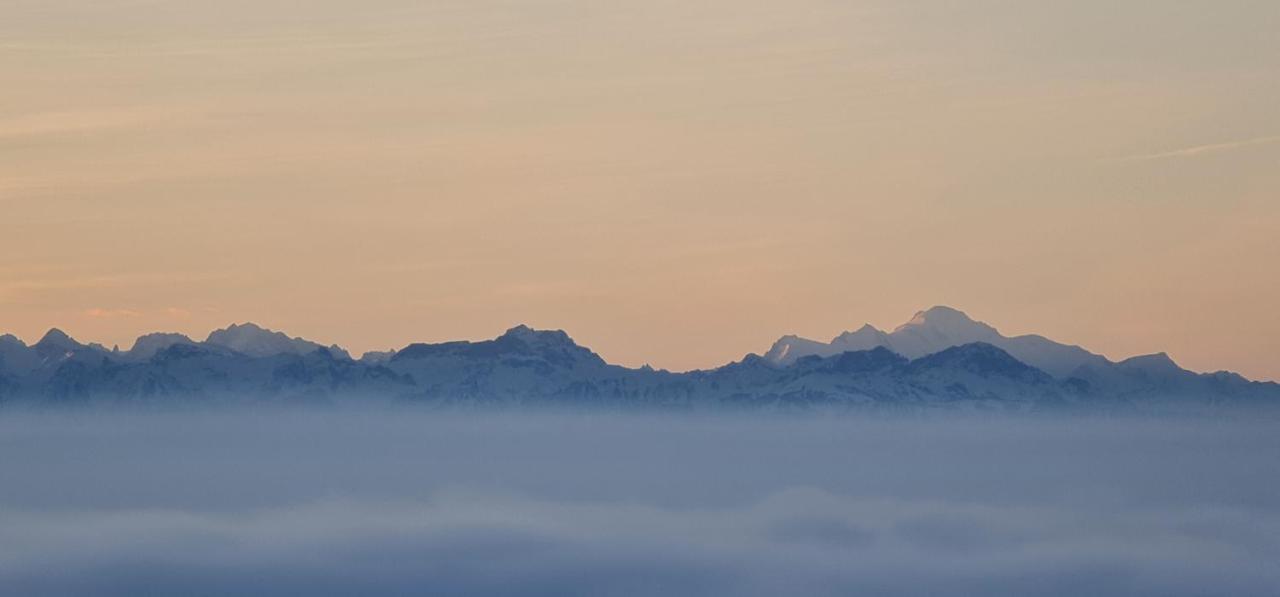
(247,323)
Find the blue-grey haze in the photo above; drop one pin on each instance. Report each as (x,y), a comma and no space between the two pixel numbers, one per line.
(413,502)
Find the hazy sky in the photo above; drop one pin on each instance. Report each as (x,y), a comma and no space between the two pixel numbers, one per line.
(672,182)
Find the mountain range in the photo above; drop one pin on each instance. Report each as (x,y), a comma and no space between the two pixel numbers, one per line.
(940,359)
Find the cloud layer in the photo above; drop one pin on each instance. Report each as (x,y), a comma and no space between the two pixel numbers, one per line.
(407,504)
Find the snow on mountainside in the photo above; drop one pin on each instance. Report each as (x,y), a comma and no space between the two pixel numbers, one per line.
(255,341)
(865,338)
(864,369)
(57,347)
(789,349)
(937,329)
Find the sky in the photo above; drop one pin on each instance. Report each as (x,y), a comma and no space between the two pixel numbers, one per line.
(673,183)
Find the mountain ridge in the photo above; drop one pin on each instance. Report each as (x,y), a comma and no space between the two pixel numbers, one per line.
(526,366)
(935,329)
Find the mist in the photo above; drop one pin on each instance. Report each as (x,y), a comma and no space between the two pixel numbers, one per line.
(411,502)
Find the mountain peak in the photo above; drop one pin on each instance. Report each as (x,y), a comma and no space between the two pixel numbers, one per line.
(870,333)
(940,316)
(154,336)
(865,329)
(533,336)
(57,337)
(791,347)
(254,340)
(519,330)
(520,342)
(240,330)
(12,340)
(940,327)
(933,330)
(1159,361)
(246,327)
(148,345)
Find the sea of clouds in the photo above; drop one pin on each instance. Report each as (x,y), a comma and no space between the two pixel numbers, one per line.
(415,503)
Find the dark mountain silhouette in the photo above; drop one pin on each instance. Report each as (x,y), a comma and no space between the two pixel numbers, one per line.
(527,367)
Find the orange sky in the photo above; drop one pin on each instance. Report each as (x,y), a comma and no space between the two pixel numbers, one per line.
(673,183)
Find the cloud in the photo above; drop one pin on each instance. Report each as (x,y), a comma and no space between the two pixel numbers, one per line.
(37,283)
(410,503)
(85,121)
(105,313)
(100,313)
(484,544)
(1200,149)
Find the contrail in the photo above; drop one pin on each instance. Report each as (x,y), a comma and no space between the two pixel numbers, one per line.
(1199,149)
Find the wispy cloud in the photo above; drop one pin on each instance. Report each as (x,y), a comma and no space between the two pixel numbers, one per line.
(101,313)
(1197,150)
(94,120)
(267,43)
(41,286)
(56,284)
(116,313)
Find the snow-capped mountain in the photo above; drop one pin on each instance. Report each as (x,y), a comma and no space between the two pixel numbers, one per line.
(255,341)
(937,329)
(940,359)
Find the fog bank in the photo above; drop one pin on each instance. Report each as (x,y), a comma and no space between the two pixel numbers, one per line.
(413,503)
